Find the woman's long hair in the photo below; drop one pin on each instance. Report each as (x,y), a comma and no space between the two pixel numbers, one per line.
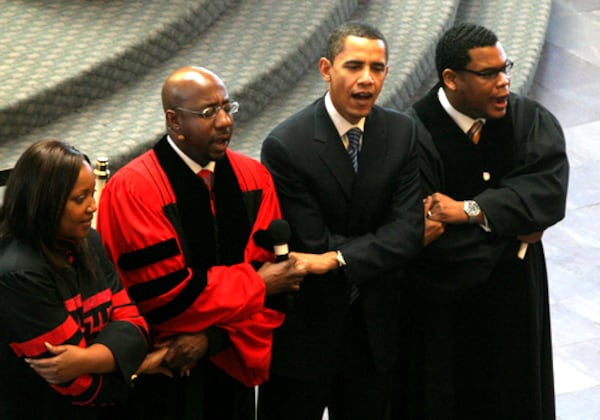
(35,198)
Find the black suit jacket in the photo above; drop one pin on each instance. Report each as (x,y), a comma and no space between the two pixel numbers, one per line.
(375,217)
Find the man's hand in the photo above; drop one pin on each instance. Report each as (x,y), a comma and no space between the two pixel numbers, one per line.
(185,351)
(446,210)
(318,263)
(433,228)
(152,364)
(284,276)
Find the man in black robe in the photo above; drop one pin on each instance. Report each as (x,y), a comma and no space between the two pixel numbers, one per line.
(482,345)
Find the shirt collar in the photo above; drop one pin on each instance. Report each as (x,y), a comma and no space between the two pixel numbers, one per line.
(341,124)
(192,164)
(463,121)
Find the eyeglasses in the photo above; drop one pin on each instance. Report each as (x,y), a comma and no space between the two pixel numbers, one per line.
(211,111)
(492,74)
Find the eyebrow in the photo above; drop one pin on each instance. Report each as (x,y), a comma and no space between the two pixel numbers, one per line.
(354,62)
(493,68)
(362,62)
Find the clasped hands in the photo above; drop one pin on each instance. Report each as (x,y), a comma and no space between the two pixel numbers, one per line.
(440,209)
(181,353)
(68,361)
(175,355)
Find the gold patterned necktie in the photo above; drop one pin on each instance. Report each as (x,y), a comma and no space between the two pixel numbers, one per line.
(474,132)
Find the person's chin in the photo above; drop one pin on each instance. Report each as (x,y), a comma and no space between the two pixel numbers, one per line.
(85,231)
(358,113)
(364,107)
(496,114)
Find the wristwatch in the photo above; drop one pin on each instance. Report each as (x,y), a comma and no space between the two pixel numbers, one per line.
(472,209)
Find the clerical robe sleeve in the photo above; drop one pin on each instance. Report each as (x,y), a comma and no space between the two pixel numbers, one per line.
(173,297)
(176,298)
(35,312)
(532,196)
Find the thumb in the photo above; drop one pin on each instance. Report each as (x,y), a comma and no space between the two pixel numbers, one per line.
(427,202)
(54,349)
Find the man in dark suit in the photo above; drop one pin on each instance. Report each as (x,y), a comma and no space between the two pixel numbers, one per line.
(339,339)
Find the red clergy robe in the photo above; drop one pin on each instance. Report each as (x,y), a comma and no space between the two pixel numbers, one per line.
(145,231)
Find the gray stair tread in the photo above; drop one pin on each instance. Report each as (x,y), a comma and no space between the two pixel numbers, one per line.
(521,28)
(50,43)
(266,52)
(257,47)
(411,28)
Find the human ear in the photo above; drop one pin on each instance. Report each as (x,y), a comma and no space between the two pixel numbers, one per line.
(325,68)
(449,77)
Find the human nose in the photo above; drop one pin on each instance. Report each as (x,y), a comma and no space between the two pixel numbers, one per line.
(504,78)
(366,76)
(92,207)
(223,118)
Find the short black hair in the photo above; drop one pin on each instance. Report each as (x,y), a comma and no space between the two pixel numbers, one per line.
(335,45)
(452,51)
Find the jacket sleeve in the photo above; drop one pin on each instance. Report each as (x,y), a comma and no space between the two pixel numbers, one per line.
(122,334)
(33,313)
(321,224)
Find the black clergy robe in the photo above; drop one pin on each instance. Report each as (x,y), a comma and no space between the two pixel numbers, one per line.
(482,344)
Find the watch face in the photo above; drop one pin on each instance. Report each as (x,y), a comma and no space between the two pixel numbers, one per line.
(471,208)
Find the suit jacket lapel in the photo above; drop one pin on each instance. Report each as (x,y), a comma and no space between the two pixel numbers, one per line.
(333,154)
(372,154)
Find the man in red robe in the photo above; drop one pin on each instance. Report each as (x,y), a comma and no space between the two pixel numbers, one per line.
(182,243)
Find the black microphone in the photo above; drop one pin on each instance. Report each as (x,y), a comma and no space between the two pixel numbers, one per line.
(279,233)
(275,238)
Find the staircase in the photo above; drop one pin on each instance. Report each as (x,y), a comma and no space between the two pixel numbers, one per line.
(90,73)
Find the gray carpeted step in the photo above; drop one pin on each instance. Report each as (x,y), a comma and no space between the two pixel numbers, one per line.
(58,56)
(521,28)
(258,47)
(266,51)
(411,27)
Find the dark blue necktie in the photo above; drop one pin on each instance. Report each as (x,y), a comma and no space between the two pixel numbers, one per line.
(354,135)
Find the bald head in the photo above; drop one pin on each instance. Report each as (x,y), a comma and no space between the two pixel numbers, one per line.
(186,94)
(187,85)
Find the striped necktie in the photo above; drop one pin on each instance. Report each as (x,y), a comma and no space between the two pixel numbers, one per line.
(354,135)
(474,132)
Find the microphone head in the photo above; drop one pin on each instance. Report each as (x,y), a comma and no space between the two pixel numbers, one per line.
(279,231)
